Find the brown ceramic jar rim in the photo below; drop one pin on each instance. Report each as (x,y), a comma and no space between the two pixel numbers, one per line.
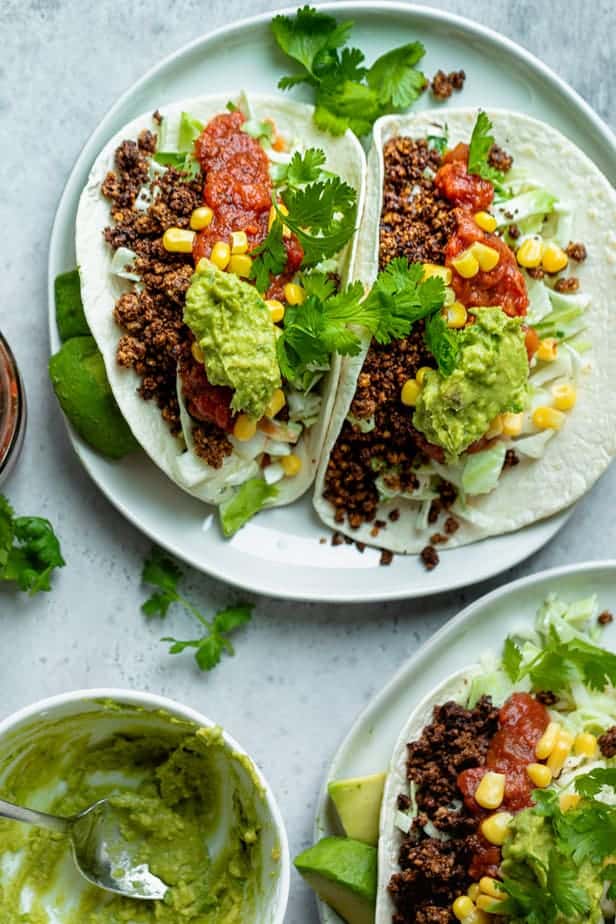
(12,407)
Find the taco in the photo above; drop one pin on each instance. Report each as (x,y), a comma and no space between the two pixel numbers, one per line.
(200,229)
(495,411)
(500,801)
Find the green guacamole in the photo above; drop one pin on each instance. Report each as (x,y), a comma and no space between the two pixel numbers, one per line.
(176,787)
(233,327)
(491,378)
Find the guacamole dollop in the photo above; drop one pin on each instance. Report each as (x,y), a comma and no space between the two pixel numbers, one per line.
(233,327)
(490,378)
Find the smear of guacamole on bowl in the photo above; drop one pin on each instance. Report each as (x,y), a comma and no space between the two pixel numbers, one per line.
(196,831)
(491,377)
(233,327)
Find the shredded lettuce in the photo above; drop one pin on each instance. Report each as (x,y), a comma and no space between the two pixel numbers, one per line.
(482,469)
(534,446)
(363,424)
(251,497)
(534,202)
(121,262)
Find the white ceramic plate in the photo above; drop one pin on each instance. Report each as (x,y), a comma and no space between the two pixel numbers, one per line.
(480,627)
(279,553)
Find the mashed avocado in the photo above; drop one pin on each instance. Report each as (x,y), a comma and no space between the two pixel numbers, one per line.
(175,788)
(491,376)
(233,327)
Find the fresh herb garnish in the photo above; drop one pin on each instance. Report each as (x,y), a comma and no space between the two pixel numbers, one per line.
(321,215)
(557,664)
(162,572)
(479,151)
(347,94)
(248,500)
(305,168)
(29,550)
(438,143)
(544,903)
(443,343)
(269,258)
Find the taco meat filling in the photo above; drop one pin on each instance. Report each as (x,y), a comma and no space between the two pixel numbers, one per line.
(445,852)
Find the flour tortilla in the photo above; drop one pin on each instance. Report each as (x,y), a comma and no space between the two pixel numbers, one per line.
(582,450)
(100,291)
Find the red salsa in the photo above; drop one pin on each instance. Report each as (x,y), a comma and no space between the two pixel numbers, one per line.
(203,400)
(458,185)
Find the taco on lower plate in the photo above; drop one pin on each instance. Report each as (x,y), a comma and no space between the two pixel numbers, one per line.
(202,233)
(500,801)
(497,409)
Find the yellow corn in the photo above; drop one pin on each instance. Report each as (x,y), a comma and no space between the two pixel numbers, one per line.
(585,745)
(548,418)
(554,258)
(294,294)
(496,427)
(491,790)
(201,218)
(512,423)
(178,240)
(466,265)
(240,264)
(473,891)
(560,753)
(547,351)
(410,392)
(291,465)
(495,829)
(239,242)
(276,403)
(490,886)
(197,352)
(565,396)
(485,221)
(529,253)
(420,378)
(487,257)
(276,309)
(569,800)
(221,254)
(433,269)
(546,743)
(462,907)
(456,315)
(489,903)
(244,427)
(540,775)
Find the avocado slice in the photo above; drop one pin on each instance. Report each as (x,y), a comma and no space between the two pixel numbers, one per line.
(358,803)
(70,316)
(343,874)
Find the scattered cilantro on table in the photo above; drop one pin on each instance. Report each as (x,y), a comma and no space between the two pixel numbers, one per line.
(347,94)
(161,572)
(29,550)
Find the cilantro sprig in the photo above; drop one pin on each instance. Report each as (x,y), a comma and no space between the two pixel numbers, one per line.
(29,550)
(479,149)
(559,662)
(347,93)
(161,572)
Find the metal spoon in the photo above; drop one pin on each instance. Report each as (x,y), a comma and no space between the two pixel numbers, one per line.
(100,854)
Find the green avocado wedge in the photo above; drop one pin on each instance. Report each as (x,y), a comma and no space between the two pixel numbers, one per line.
(343,873)
(70,317)
(358,804)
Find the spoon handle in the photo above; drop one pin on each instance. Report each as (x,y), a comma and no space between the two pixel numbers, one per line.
(40,819)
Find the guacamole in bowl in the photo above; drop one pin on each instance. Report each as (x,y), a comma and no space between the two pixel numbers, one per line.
(194,803)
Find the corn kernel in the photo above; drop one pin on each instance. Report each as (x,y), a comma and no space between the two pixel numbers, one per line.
(433,269)
(569,800)
(294,294)
(512,423)
(547,351)
(276,403)
(221,254)
(496,829)
(545,745)
(485,221)
(276,309)
(291,464)
(530,252)
(554,258)
(585,745)
(410,393)
(491,790)
(565,396)
(548,418)
(466,265)
(244,427)
(422,372)
(239,242)
(490,886)
(539,774)
(561,752)
(496,428)
(178,240)
(487,257)
(489,903)
(456,315)
(462,907)
(473,891)
(240,264)
(197,352)
(201,218)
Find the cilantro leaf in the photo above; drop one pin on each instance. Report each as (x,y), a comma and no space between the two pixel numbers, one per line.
(609,874)
(512,659)
(591,784)
(248,500)
(321,215)
(537,902)
(306,167)
(394,76)
(319,284)
(159,570)
(269,258)
(232,618)
(309,37)
(345,104)
(7,530)
(442,343)
(29,550)
(557,663)
(403,297)
(479,150)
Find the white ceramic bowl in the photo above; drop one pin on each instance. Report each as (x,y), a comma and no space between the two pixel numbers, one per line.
(20,730)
